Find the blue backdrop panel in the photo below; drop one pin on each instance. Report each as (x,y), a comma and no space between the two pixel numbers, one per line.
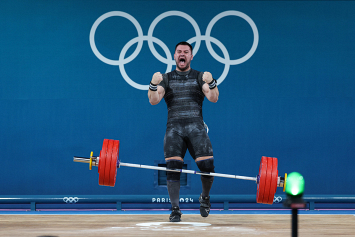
(286,80)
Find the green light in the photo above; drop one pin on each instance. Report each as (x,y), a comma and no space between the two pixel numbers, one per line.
(294,184)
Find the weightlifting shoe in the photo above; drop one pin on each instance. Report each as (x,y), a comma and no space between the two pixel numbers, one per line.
(175,215)
(204,206)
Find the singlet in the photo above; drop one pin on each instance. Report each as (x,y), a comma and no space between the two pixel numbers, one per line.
(183,95)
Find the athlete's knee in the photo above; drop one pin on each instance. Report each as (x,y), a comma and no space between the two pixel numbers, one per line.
(173,164)
(174,158)
(206,165)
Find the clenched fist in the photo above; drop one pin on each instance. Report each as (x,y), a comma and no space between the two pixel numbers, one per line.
(157,78)
(207,77)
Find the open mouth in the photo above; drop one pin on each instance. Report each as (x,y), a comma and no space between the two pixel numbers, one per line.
(182,61)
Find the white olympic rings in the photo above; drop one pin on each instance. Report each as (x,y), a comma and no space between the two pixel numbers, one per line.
(70,200)
(277,199)
(169,61)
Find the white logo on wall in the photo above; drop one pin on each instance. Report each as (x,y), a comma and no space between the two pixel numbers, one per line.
(70,199)
(168,60)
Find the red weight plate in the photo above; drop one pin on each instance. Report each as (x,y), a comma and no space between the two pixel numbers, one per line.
(262,178)
(113,169)
(102,162)
(108,163)
(274,177)
(267,181)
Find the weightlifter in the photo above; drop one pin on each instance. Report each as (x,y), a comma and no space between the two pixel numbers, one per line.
(184,90)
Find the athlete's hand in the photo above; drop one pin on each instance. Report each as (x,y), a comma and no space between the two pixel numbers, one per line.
(207,77)
(157,78)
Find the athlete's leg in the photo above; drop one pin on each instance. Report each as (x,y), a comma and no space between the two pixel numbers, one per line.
(174,151)
(205,164)
(173,180)
(200,148)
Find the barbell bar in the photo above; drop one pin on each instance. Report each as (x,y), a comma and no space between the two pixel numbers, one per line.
(267,179)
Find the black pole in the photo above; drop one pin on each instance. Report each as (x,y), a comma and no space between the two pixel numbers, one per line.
(294,222)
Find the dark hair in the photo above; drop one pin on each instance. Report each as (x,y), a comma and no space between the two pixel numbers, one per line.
(184,43)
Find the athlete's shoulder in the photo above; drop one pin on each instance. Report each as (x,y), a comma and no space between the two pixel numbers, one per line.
(197,74)
(195,71)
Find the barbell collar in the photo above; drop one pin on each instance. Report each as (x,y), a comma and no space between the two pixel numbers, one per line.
(95,160)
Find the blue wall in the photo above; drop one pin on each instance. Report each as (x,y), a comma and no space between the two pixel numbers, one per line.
(292,99)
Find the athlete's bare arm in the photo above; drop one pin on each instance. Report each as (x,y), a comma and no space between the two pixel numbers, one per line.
(156,96)
(211,94)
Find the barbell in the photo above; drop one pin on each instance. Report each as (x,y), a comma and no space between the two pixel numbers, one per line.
(267,179)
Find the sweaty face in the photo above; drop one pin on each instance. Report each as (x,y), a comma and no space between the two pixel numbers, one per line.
(183,57)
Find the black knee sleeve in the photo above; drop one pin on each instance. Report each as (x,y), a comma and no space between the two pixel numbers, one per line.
(206,166)
(174,164)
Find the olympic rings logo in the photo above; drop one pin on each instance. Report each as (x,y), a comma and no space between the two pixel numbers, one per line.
(70,199)
(169,61)
(277,199)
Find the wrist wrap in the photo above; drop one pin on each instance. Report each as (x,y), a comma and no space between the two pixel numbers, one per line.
(212,84)
(153,87)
